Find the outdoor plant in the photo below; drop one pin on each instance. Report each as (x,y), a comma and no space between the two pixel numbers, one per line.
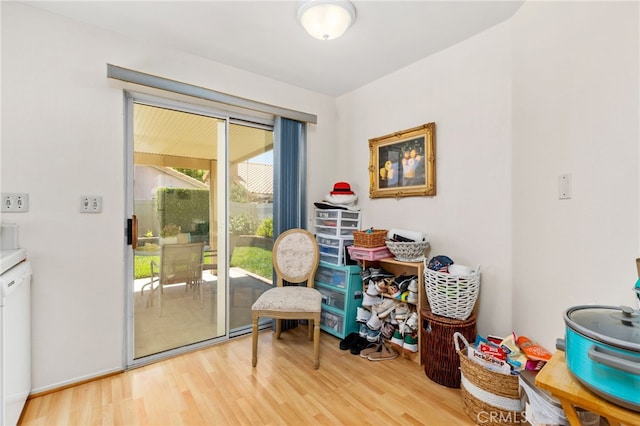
(243,224)
(170,230)
(266,228)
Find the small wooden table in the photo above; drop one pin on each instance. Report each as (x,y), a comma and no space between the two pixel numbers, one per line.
(557,379)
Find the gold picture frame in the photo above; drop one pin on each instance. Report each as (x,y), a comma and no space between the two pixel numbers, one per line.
(403,164)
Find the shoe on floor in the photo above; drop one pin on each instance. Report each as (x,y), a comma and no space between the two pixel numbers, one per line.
(347,341)
(358,344)
(386,353)
(370,348)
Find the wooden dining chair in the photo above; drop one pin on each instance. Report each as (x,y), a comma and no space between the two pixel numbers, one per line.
(295,261)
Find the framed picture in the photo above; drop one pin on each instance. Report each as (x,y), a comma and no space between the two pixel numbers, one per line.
(403,164)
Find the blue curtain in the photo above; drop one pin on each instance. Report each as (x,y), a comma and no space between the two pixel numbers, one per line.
(289,181)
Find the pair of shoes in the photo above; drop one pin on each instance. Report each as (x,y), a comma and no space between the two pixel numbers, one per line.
(408,341)
(383,308)
(363,315)
(358,344)
(370,348)
(348,341)
(384,354)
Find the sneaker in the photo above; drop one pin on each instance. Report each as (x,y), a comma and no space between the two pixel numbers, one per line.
(393,290)
(403,296)
(372,290)
(378,273)
(373,335)
(401,311)
(374,322)
(365,274)
(384,308)
(413,297)
(403,282)
(364,330)
(410,342)
(363,315)
(392,318)
(387,330)
(413,285)
(397,338)
(412,321)
(381,286)
(370,300)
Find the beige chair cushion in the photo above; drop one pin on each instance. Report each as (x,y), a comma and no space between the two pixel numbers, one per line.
(291,299)
(295,256)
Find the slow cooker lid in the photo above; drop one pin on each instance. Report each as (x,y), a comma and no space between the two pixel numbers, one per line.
(607,324)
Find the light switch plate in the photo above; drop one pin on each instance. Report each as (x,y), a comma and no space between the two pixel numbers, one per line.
(13,202)
(90,204)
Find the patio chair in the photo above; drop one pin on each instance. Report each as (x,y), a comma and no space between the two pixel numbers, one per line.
(179,263)
(295,260)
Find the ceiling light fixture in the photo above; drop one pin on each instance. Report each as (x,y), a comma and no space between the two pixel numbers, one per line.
(326,19)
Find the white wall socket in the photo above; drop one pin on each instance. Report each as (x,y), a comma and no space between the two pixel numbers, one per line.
(564,186)
(90,204)
(15,202)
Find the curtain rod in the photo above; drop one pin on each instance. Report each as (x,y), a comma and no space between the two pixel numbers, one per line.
(137,77)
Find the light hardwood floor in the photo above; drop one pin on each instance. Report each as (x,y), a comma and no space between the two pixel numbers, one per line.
(218,386)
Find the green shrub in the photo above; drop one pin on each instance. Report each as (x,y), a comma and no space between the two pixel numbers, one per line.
(266,228)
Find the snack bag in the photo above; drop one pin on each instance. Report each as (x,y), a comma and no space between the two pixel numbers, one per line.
(514,354)
(532,350)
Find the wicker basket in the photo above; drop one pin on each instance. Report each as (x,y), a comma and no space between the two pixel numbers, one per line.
(451,296)
(375,238)
(407,251)
(488,397)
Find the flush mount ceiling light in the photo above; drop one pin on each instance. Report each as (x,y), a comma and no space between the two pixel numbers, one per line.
(326,19)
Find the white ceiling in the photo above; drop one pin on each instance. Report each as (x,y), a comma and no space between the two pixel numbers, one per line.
(265,38)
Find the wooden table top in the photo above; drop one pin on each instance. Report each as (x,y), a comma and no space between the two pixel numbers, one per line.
(557,379)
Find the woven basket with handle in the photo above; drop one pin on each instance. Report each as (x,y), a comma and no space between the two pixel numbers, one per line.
(488,397)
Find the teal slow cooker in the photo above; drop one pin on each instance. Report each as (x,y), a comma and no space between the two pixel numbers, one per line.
(602,348)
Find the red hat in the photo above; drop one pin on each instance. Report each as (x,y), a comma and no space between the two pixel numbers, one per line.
(341,188)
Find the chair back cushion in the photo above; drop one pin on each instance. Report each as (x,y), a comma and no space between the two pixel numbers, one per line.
(296,256)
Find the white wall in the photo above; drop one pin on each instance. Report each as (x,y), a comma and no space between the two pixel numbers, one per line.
(465,90)
(553,90)
(575,110)
(62,136)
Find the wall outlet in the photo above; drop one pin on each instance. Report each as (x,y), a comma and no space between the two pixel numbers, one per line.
(15,202)
(90,204)
(564,186)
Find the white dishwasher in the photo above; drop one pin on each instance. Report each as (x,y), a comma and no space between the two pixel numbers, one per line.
(15,337)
